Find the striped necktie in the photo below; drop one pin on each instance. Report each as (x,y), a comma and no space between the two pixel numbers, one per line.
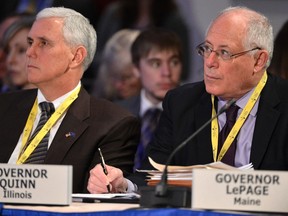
(148,126)
(39,154)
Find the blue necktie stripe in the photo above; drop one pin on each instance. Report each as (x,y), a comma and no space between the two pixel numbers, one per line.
(149,123)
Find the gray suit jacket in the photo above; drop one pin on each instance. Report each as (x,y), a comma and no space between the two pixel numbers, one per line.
(95,123)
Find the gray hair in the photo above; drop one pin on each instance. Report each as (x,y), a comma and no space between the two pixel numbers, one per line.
(117,49)
(77,30)
(116,56)
(259,31)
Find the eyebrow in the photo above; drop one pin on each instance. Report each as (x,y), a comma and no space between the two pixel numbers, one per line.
(175,56)
(152,59)
(39,38)
(221,46)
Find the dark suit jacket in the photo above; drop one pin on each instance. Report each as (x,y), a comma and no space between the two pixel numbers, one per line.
(188,107)
(132,104)
(95,122)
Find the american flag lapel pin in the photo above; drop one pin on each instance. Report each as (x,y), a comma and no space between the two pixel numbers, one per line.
(70,134)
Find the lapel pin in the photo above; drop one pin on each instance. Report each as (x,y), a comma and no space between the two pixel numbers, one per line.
(70,134)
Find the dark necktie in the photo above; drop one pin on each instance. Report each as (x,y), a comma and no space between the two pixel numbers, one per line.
(231,115)
(39,153)
(148,126)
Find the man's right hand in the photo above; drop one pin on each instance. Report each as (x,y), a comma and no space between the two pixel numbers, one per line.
(98,181)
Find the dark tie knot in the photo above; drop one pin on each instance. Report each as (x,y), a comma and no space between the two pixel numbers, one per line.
(47,107)
(152,113)
(231,113)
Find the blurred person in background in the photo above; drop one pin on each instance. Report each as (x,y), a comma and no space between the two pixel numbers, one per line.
(141,15)
(279,62)
(15,45)
(116,79)
(157,58)
(5,23)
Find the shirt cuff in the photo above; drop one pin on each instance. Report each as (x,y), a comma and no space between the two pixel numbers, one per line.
(131,186)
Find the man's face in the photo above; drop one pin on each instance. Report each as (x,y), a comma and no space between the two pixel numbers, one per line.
(49,56)
(159,71)
(126,83)
(232,78)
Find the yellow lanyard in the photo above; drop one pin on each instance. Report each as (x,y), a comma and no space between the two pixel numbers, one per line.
(240,121)
(48,125)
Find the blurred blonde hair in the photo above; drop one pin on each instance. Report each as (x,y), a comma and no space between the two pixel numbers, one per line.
(116,56)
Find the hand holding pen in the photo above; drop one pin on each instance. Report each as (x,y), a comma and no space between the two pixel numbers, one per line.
(103,164)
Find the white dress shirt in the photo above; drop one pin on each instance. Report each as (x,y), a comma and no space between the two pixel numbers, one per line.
(40,97)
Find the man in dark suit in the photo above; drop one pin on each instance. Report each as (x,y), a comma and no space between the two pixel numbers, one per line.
(237,50)
(62,45)
(157,60)
(235,62)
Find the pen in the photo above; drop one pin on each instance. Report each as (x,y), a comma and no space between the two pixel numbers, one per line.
(104,167)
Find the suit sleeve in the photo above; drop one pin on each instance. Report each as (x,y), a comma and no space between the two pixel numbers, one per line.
(120,143)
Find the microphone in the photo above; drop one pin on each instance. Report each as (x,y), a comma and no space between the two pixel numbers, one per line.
(171,196)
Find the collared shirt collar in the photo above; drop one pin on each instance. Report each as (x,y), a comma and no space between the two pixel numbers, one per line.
(58,101)
(241,102)
(145,104)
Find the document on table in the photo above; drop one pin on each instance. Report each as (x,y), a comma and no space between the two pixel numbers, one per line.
(214,165)
(107,197)
(182,175)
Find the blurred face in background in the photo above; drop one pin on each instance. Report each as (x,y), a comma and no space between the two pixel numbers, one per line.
(159,72)
(16,58)
(125,82)
(3,27)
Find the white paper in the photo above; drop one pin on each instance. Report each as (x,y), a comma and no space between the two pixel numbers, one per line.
(105,196)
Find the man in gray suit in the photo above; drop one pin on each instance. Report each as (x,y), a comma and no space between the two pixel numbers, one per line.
(62,45)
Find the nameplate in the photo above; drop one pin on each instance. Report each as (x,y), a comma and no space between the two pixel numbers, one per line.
(260,191)
(36,184)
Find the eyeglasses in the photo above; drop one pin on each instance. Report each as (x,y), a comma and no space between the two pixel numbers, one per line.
(205,50)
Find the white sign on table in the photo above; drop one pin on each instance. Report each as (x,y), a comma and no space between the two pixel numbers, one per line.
(36,184)
(263,191)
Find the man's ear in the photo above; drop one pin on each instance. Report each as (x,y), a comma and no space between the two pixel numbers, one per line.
(79,55)
(261,60)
